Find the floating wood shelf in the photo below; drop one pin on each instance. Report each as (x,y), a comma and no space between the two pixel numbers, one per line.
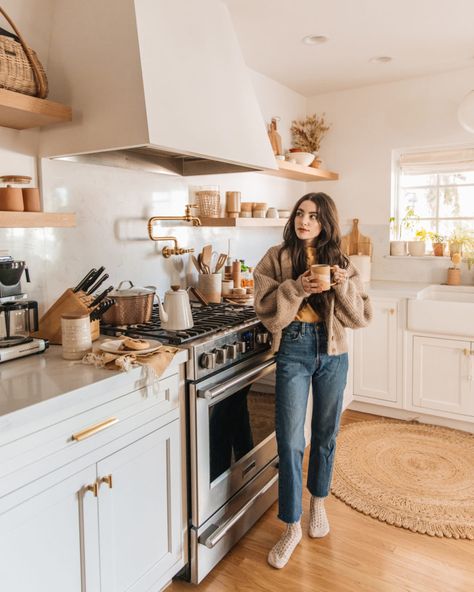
(297,172)
(37,220)
(244,222)
(19,111)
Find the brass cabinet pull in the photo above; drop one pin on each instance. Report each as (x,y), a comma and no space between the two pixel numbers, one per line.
(107,479)
(90,431)
(94,488)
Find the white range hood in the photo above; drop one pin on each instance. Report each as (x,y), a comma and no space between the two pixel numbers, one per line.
(158,85)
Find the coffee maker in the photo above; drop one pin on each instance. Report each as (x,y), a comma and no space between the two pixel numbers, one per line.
(10,274)
(18,315)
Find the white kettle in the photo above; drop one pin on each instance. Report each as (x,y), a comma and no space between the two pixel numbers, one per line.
(175,312)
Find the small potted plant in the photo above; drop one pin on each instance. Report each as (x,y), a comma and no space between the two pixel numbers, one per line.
(437,240)
(461,240)
(307,134)
(398,247)
(439,244)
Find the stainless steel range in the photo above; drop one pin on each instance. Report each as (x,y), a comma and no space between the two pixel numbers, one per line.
(232,455)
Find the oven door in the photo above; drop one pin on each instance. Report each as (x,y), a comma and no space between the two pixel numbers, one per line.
(232,433)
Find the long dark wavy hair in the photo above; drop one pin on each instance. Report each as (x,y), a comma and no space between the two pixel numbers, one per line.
(327,244)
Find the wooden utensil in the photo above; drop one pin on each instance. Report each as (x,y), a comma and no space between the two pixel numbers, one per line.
(206,257)
(196,263)
(356,243)
(220,262)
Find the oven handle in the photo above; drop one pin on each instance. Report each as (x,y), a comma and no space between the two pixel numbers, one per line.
(211,540)
(239,381)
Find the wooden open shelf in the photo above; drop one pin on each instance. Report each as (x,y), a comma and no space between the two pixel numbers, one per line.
(19,111)
(244,222)
(37,220)
(297,172)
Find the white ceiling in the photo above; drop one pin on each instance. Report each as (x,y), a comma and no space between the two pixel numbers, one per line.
(422,36)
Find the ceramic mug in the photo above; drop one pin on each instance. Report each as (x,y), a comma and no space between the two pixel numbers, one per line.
(323,272)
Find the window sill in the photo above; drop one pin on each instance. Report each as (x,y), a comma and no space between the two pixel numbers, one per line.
(423,258)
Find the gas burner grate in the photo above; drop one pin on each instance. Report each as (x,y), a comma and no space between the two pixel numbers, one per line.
(207,320)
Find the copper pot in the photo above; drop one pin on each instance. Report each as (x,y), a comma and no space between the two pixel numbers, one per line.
(133,306)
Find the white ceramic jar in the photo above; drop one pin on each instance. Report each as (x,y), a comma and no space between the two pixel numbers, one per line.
(75,336)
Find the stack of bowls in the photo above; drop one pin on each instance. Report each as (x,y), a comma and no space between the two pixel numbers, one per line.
(246,209)
(259,209)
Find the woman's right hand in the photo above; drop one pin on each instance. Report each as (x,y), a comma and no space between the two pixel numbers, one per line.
(311,284)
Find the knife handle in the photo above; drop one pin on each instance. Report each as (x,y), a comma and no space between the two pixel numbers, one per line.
(94,277)
(100,297)
(97,284)
(84,280)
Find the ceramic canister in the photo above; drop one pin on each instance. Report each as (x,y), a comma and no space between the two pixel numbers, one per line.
(11,199)
(31,199)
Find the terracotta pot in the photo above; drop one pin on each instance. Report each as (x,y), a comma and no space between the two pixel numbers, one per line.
(438,249)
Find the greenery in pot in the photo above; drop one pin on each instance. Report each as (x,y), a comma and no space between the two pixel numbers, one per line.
(461,240)
(406,226)
(307,133)
(438,241)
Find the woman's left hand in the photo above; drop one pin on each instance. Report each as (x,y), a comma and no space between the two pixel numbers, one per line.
(339,275)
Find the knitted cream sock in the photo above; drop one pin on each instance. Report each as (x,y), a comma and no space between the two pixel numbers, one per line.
(318,520)
(281,552)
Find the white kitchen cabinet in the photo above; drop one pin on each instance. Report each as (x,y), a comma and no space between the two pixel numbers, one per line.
(441,377)
(41,540)
(377,355)
(139,516)
(105,511)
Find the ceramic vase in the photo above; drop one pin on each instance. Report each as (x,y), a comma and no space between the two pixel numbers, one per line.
(416,248)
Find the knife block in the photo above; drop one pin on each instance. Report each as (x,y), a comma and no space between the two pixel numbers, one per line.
(49,326)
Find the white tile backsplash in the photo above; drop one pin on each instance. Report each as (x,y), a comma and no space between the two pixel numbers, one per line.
(112,208)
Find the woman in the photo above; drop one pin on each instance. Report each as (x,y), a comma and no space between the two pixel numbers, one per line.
(308,323)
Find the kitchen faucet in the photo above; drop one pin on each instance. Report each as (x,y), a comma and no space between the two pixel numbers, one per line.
(176,250)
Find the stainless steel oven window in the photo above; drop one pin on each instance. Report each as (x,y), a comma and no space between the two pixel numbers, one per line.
(238,424)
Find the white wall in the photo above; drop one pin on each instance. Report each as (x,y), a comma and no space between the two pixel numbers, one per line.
(367,125)
(277,100)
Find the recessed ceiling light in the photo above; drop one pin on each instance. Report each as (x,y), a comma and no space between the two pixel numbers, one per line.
(314,39)
(381,60)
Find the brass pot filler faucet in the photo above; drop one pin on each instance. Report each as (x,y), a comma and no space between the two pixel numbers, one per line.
(176,250)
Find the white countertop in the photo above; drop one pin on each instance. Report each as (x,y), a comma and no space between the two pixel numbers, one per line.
(42,379)
(386,288)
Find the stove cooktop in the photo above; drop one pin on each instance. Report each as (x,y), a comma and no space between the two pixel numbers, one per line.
(207,320)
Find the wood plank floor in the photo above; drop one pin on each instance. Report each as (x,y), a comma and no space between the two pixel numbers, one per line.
(360,554)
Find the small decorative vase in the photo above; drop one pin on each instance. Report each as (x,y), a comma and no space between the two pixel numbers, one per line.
(438,249)
(416,248)
(454,277)
(398,248)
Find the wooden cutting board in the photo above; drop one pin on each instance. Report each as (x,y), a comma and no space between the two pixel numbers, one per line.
(356,243)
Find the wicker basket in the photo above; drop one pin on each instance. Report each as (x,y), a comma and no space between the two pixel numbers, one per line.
(20,68)
(209,203)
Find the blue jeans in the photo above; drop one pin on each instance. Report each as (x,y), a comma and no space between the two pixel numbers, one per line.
(302,359)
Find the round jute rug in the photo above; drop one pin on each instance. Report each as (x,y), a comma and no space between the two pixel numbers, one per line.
(416,476)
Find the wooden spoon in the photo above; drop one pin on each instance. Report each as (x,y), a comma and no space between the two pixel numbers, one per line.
(207,255)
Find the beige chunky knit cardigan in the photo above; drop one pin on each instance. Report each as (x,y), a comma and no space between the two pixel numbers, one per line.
(278,298)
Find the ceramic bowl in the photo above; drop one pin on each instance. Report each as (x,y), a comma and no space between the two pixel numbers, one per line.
(284,213)
(303,158)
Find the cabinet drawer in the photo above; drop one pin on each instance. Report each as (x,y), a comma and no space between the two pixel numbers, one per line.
(32,456)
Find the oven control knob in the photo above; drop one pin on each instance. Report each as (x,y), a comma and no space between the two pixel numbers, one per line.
(241,347)
(263,338)
(231,351)
(221,355)
(208,360)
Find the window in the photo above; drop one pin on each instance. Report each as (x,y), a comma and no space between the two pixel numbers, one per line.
(434,195)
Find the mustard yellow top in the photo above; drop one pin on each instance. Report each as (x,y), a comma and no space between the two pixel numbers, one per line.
(306,313)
